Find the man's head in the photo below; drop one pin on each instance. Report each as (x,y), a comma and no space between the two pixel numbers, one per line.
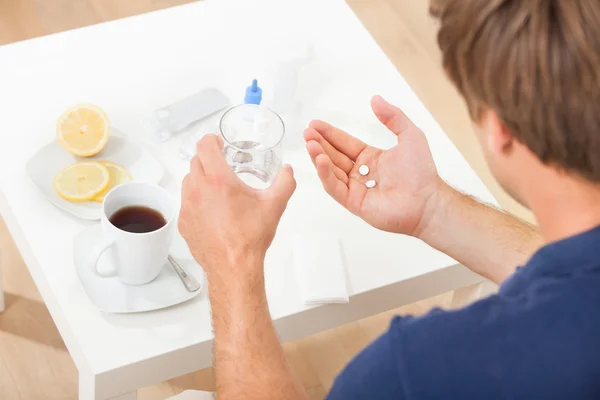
(529,71)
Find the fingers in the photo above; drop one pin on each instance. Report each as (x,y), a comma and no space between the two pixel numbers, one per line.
(195,177)
(339,159)
(196,168)
(220,141)
(314,149)
(332,185)
(185,187)
(283,186)
(340,140)
(392,117)
(189,192)
(211,157)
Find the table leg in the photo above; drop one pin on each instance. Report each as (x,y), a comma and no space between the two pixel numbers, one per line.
(88,390)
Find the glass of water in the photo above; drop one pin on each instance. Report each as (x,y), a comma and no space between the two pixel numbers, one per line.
(253,136)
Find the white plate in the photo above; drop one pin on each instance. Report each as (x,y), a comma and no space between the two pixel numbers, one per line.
(46,163)
(110,295)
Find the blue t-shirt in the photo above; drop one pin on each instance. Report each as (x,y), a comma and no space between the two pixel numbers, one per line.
(538,338)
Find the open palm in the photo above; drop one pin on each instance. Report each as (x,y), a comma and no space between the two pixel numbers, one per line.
(406,176)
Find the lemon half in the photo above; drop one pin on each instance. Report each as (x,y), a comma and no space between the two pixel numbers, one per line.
(83,130)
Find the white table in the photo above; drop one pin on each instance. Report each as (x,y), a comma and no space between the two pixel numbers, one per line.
(137,64)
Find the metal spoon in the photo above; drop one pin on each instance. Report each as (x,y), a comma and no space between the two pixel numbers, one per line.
(190,283)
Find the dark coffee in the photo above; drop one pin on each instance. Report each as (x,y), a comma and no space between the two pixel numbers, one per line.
(138,219)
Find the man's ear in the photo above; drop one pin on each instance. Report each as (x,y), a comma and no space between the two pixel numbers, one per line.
(498,137)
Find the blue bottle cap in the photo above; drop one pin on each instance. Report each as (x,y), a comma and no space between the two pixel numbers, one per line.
(253,93)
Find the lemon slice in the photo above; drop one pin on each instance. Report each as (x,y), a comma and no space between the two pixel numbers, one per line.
(83,130)
(81,181)
(118,174)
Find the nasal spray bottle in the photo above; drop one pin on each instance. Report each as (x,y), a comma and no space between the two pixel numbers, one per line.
(282,89)
(282,95)
(254,96)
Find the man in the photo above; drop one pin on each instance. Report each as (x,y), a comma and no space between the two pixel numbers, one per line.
(529,71)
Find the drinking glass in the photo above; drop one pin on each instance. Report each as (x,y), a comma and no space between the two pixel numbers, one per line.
(252,136)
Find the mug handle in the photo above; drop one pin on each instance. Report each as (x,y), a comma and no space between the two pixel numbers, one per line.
(96,253)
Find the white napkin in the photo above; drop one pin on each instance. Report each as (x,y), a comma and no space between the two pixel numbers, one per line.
(320,269)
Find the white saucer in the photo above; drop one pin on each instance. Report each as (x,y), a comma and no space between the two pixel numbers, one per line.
(47,162)
(110,295)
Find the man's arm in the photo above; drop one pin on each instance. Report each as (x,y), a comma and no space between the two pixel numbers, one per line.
(486,240)
(228,227)
(250,363)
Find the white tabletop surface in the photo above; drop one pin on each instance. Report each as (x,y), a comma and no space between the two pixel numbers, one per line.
(134,65)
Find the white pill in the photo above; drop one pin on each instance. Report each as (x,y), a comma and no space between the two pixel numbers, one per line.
(370,184)
(363,170)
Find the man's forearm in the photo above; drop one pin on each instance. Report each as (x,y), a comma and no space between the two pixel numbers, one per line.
(486,240)
(249,360)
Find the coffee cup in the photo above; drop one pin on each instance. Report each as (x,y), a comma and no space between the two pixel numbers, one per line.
(138,223)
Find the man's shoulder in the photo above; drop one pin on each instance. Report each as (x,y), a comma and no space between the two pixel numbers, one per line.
(505,345)
(541,343)
(568,304)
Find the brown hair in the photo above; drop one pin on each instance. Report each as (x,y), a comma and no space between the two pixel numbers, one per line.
(536,64)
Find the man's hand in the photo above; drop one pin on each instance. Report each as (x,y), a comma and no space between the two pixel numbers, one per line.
(411,198)
(405,174)
(228,227)
(223,220)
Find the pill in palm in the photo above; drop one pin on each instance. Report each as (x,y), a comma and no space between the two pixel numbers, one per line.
(363,170)
(370,184)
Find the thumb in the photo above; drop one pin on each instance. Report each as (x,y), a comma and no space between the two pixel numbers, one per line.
(283,186)
(392,117)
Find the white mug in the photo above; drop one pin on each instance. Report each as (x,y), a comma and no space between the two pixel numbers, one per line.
(140,257)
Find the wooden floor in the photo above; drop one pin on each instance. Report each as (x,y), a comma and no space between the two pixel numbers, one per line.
(34,363)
